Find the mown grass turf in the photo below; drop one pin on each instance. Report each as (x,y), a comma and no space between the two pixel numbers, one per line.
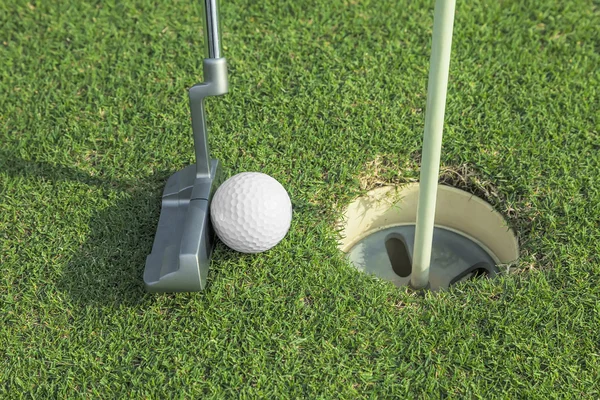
(94,118)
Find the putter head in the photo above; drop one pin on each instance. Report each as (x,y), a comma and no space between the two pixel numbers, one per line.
(180,256)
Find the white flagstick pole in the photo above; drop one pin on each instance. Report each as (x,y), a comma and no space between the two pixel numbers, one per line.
(439,64)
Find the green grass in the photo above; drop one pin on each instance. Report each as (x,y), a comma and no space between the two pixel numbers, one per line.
(94,118)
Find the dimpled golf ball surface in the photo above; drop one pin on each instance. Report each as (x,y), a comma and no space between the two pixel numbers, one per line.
(251,212)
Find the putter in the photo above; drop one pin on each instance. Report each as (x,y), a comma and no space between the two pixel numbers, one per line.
(182,248)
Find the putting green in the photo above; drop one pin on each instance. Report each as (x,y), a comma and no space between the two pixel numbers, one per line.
(328,98)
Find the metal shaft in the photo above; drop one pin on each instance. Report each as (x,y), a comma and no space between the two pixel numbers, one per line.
(439,65)
(215,84)
(212,35)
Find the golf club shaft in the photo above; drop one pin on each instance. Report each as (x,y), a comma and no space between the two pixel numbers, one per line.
(439,64)
(212,35)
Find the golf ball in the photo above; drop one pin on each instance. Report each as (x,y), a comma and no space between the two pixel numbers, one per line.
(251,212)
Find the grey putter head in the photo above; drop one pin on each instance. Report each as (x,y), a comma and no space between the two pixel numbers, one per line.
(184,240)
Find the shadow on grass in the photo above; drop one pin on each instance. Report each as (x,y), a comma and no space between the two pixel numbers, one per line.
(108,267)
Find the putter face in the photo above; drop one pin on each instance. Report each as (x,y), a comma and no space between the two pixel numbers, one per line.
(180,256)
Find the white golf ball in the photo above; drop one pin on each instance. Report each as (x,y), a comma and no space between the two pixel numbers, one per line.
(251,212)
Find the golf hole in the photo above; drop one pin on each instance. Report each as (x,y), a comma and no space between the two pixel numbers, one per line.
(470,238)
